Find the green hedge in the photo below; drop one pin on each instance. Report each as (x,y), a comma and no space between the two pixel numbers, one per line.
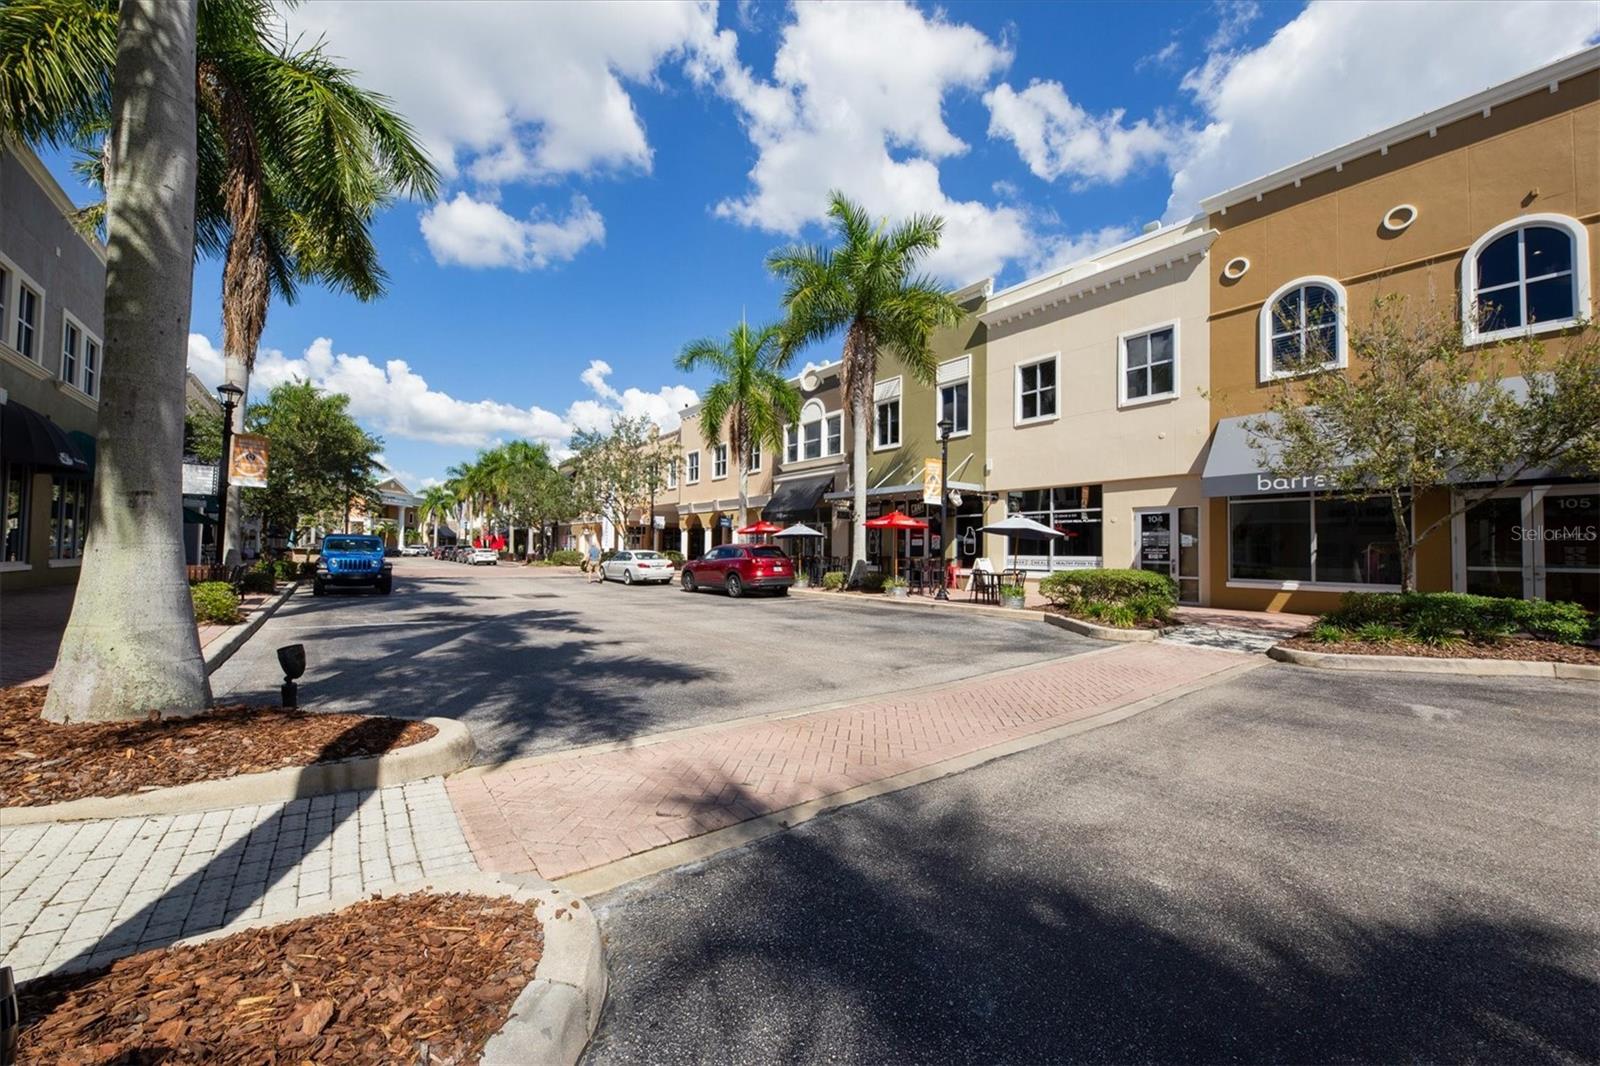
(566,557)
(261,577)
(214,601)
(1440,617)
(833,580)
(1122,598)
(872,581)
(675,557)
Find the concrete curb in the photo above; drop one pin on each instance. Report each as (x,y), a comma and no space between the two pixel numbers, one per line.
(451,750)
(556,1013)
(926,602)
(231,641)
(1415,665)
(1098,632)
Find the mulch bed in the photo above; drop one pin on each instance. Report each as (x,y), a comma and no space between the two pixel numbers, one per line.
(1521,648)
(42,762)
(417,978)
(1145,623)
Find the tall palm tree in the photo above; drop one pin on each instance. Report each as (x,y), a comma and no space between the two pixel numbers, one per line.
(868,287)
(750,397)
(437,502)
(295,159)
(130,648)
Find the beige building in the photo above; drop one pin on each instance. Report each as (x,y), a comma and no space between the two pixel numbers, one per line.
(1097,414)
(707,477)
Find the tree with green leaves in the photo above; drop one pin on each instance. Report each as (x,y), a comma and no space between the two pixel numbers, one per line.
(613,471)
(868,288)
(535,495)
(751,398)
(202,434)
(320,462)
(295,158)
(438,502)
(130,648)
(1419,410)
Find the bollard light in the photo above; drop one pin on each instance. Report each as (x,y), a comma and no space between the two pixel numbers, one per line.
(292,658)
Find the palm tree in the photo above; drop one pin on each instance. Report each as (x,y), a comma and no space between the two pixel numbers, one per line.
(130,648)
(437,501)
(867,287)
(295,159)
(751,397)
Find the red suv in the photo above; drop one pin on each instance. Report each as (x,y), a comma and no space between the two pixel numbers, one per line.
(737,567)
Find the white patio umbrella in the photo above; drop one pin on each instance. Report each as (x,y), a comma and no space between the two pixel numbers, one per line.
(799,529)
(1016,525)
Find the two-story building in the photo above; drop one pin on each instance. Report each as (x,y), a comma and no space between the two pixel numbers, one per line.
(1097,410)
(709,507)
(52,301)
(1489,208)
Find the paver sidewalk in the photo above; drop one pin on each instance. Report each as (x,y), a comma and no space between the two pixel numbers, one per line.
(559,816)
(93,891)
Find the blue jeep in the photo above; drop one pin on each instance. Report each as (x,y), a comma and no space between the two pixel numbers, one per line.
(353,560)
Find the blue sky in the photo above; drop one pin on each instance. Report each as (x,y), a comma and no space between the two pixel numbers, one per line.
(616,174)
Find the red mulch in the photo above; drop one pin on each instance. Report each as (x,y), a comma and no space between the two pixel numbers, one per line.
(417,978)
(1520,648)
(42,762)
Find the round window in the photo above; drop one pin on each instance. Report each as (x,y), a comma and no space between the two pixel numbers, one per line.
(1235,268)
(1399,218)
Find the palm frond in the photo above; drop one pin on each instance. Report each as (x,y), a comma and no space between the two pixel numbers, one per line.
(55,67)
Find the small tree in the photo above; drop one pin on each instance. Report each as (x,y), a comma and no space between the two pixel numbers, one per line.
(612,471)
(320,462)
(1419,410)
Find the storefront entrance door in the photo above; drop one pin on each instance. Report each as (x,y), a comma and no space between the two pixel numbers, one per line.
(1169,543)
(1532,543)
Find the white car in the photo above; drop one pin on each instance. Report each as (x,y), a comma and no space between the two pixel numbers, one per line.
(484,555)
(637,565)
(415,549)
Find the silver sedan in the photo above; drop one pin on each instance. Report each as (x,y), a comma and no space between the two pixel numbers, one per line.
(637,565)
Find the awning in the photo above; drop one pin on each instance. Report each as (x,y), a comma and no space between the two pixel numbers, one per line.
(1234,468)
(910,488)
(26,436)
(797,497)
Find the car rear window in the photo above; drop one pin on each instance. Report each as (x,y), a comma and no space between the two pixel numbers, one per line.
(352,544)
(646,555)
(768,553)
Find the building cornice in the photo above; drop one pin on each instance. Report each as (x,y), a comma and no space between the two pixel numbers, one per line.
(45,180)
(1548,77)
(1032,297)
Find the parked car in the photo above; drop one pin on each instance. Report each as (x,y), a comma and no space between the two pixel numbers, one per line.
(637,565)
(414,550)
(352,561)
(737,568)
(479,556)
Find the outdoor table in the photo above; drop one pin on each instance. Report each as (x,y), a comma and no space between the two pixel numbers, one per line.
(985,587)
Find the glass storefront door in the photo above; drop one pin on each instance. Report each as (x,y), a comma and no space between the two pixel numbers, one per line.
(1534,543)
(1169,543)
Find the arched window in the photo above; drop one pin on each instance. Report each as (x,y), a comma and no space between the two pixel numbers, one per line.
(1529,275)
(817,435)
(1303,328)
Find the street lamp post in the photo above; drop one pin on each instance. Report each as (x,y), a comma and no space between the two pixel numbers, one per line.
(945,427)
(229,394)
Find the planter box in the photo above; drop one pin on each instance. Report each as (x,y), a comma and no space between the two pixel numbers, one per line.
(1015,603)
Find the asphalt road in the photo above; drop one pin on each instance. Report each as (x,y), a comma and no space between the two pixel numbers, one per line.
(535,660)
(1293,866)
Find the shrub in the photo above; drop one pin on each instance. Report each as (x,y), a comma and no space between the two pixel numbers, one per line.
(259,578)
(894,582)
(675,557)
(566,557)
(1446,617)
(1323,633)
(833,580)
(214,601)
(286,569)
(1013,592)
(1379,632)
(1122,598)
(872,582)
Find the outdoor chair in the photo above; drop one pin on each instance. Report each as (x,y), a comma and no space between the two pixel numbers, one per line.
(985,588)
(916,580)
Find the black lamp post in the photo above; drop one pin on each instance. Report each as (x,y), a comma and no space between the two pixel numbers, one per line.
(229,394)
(945,426)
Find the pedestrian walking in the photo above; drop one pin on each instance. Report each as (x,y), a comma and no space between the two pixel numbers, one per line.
(594,563)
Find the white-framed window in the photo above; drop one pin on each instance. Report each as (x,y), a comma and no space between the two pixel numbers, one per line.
(91,365)
(18,479)
(29,311)
(755,457)
(69,516)
(819,434)
(80,355)
(5,297)
(1036,390)
(886,424)
(71,341)
(1300,322)
(672,473)
(719,462)
(954,382)
(1147,365)
(1528,275)
(692,468)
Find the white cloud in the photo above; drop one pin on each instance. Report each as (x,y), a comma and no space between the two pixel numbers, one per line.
(475,233)
(856,102)
(397,402)
(1061,249)
(1057,137)
(1340,71)
(513,91)
(1234,17)
(205,360)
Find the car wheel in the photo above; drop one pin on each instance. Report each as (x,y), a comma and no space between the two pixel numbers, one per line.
(318,589)
(783,592)
(688,581)
(734,586)
(627,577)
(384,587)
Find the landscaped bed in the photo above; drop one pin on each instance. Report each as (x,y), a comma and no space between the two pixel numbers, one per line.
(1452,625)
(1117,599)
(1516,648)
(42,762)
(415,978)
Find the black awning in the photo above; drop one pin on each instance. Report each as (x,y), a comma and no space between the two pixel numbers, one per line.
(26,436)
(797,497)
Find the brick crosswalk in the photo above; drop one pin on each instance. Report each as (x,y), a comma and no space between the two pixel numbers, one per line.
(559,816)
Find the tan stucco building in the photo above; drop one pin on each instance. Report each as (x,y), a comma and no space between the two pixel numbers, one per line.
(1489,204)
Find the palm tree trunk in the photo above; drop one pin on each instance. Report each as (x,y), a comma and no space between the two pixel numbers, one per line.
(130,648)
(858,474)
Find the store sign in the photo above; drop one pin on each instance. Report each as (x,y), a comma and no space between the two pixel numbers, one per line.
(1060,562)
(249,467)
(199,479)
(932,481)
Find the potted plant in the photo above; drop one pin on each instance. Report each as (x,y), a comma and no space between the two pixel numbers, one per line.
(1013,596)
(895,586)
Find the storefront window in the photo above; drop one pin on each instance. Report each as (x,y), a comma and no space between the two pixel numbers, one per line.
(69,517)
(1313,538)
(16,546)
(1074,511)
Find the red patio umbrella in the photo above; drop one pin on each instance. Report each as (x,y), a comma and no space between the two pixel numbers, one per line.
(896,520)
(762,526)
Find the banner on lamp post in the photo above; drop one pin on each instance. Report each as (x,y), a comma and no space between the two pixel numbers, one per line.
(248,467)
(932,481)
